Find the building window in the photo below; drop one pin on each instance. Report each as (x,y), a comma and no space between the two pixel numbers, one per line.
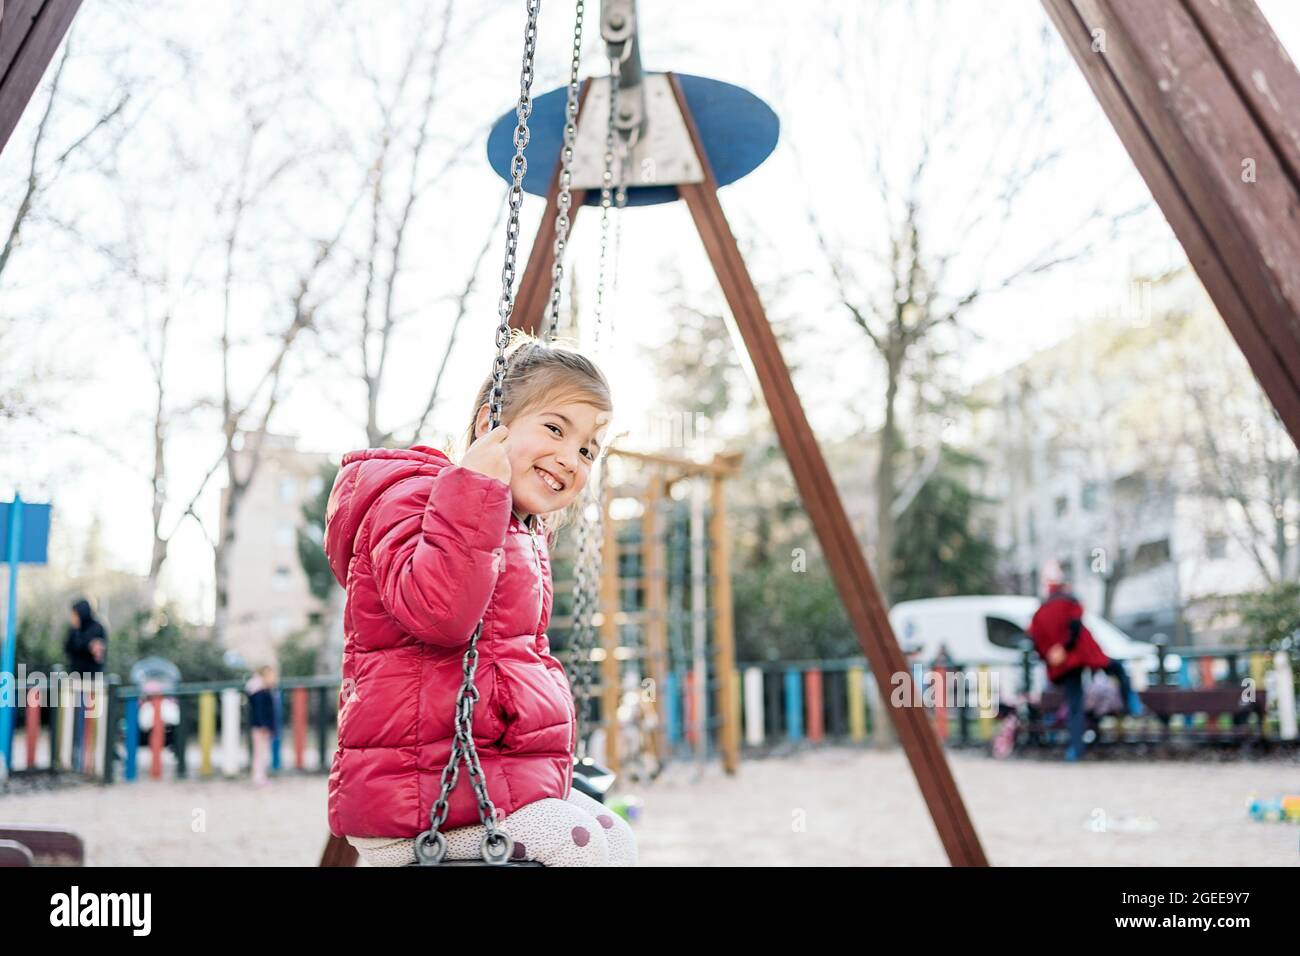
(284,535)
(1150,555)
(280,580)
(281,623)
(1062,505)
(1088,500)
(1132,487)
(315,484)
(1216,546)
(288,489)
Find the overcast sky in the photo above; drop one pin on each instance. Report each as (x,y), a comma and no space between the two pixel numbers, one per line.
(785,55)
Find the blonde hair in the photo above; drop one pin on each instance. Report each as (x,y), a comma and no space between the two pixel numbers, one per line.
(539,374)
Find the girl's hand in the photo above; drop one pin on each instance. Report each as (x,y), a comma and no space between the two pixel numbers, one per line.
(488,455)
(1056,655)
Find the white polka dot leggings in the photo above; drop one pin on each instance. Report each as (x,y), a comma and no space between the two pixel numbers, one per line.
(576,831)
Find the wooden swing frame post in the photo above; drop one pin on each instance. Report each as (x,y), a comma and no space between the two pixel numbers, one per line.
(856,585)
(1204,98)
(724,632)
(30,33)
(1195,89)
(655,588)
(653,583)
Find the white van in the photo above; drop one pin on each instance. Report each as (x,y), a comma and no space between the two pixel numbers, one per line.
(991,629)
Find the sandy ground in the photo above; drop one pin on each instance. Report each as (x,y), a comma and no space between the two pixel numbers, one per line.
(826,807)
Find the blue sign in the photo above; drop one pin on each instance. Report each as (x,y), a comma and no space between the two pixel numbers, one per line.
(737,131)
(34,533)
(24,535)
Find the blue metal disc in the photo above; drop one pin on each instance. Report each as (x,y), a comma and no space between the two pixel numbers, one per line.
(737,128)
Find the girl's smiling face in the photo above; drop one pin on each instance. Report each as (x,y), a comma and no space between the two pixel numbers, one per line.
(551,448)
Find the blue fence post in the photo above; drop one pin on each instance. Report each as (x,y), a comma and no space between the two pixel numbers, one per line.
(1185,680)
(278,705)
(129,768)
(793,705)
(9,649)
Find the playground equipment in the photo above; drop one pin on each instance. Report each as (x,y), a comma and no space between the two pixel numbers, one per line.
(727,133)
(668,684)
(431,845)
(1191,86)
(1282,809)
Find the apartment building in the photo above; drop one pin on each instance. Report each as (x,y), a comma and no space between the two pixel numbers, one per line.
(1104,452)
(269,595)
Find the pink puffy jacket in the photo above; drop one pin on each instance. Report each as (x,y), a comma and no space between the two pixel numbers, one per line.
(425,548)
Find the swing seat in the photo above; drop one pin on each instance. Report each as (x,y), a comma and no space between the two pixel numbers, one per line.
(592,779)
(589,777)
(483,863)
(35,845)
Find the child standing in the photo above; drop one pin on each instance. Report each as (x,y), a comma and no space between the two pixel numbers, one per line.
(425,548)
(261,689)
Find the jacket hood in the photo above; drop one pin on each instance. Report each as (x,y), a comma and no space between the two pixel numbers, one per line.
(87,616)
(364,476)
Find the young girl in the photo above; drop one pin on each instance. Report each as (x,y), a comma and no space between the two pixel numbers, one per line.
(425,548)
(262,719)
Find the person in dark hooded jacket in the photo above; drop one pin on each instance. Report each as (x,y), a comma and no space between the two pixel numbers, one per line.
(86,648)
(87,640)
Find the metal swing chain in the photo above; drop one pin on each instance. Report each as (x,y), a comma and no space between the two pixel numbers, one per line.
(586,582)
(606,193)
(564,201)
(431,845)
(588,564)
(620,203)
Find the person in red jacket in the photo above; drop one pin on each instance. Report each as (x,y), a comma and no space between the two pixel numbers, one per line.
(426,548)
(1068,648)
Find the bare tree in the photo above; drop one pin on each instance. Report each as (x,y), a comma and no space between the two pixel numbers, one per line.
(913,284)
(1129,476)
(158,295)
(1246,464)
(405,165)
(298,267)
(50,153)
(43,171)
(463,300)
(261,404)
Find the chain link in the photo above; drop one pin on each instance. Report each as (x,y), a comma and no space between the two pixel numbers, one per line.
(431,845)
(606,193)
(588,564)
(564,200)
(620,203)
(586,590)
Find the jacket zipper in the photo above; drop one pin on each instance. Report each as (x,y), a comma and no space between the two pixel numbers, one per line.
(537,557)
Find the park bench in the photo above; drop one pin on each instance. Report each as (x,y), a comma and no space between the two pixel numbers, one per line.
(1162,704)
(1215,703)
(36,845)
